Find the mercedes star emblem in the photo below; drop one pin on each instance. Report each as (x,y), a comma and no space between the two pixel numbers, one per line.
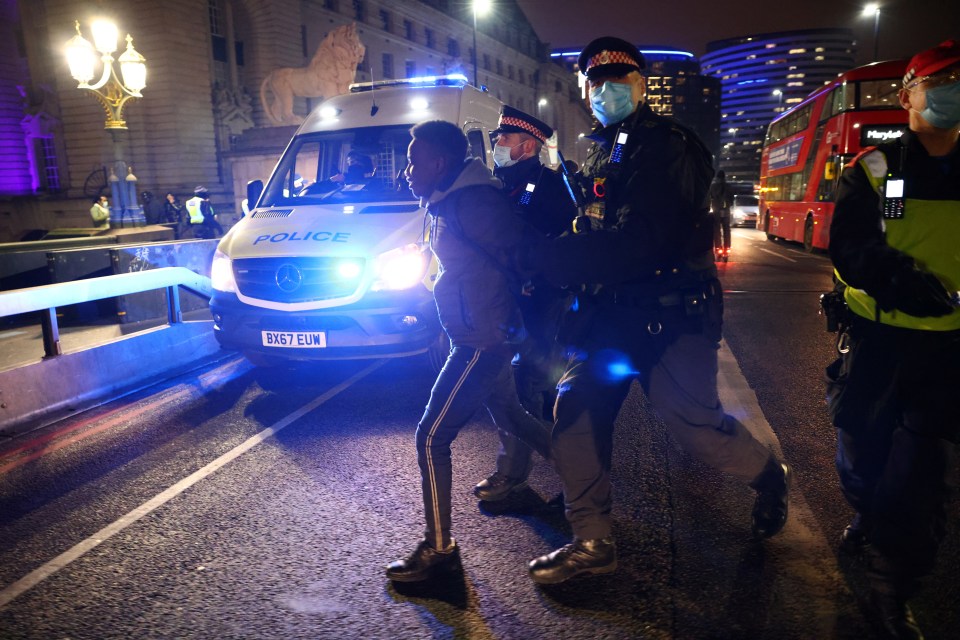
(289,277)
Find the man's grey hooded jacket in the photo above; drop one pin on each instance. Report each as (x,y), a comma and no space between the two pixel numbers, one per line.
(474,233)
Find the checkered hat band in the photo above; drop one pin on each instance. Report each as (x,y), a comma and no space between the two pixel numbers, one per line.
(611,57)
(526,126)
(911,74)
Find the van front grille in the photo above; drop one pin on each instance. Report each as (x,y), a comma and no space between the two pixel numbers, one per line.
(291,280)
(271,213)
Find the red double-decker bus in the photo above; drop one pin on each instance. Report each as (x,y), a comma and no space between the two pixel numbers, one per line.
(807,146)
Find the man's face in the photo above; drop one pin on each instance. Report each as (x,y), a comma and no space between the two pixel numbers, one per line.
(635,79)
(425,168)
(913,97)
(520,145)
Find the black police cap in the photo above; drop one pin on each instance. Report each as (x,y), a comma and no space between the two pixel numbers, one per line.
(609,56)
(516,121)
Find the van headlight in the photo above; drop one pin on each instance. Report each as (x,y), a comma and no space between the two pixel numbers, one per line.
(400,268)
(221,273)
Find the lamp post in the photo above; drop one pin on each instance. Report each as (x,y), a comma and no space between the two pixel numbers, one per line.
(779,94)
(113,91)
(874,8)
(479,7)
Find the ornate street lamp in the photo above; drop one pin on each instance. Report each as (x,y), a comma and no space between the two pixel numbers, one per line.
(113,91)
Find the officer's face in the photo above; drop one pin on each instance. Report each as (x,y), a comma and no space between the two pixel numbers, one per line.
(425,168)
(520,145)
(635,79)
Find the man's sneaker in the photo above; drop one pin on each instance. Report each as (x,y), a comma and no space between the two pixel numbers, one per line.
(425,562)
(497,487)
(894,617)
(581,557)
(773,496)
(853,540)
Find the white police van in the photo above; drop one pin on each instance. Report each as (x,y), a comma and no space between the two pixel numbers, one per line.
(327,266)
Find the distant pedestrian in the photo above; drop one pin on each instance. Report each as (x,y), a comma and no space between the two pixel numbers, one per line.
(721,198)
(100,213)
(152,208)
(202,221)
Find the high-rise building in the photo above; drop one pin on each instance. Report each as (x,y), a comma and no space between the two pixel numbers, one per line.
(675,87)
(762,76)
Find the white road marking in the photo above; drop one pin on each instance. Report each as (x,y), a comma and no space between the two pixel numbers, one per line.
(809,577)
(43,572)
(779,255)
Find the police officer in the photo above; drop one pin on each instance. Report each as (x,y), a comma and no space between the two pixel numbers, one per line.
(540,197)
(895,242)
(650,307)
(201,220)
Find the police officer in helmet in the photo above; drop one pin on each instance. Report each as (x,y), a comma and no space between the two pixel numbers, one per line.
(895,242)
(540,197)
(649,307)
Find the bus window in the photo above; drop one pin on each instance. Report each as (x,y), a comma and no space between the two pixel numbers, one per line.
(879,94)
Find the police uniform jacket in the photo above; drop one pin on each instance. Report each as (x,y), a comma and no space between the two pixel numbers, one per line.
(869,250)
(472,230)
(654,230)
(551,210)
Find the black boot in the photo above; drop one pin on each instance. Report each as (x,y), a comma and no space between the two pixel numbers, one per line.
(497,487)
(425,562)
(581,557)
(853,540)
(773,493)
(894,616)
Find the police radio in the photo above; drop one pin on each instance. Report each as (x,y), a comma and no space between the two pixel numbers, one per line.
(619,144)
(527,194)
(893,198)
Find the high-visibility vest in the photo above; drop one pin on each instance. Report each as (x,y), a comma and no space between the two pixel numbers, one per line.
(193,206)
(928,233)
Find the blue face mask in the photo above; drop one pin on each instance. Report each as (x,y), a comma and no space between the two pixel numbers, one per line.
(943,106)
(612,102)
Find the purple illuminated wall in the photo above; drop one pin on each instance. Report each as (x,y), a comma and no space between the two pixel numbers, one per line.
(15,171)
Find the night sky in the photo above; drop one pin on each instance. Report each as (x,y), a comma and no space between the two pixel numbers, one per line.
(906,26)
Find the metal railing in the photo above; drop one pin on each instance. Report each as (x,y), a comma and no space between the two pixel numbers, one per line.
(47,298)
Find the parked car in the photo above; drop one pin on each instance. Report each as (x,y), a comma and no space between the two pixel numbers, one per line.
(745,211)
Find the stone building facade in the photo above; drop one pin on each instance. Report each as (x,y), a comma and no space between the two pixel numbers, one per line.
(200,114)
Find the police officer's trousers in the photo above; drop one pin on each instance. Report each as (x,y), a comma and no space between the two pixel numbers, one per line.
(678,374)
(893,400)
(471,378)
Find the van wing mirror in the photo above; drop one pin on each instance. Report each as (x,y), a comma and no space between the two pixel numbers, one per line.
(254,191)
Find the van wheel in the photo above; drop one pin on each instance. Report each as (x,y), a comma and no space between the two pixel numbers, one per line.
(438,352)
(808,235)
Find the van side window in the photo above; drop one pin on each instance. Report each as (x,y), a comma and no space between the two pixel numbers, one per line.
(477,147)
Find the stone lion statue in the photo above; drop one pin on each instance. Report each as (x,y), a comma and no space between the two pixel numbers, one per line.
(330,73)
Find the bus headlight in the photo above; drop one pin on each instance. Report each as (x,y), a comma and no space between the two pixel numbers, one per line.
(221,273)
(400,268)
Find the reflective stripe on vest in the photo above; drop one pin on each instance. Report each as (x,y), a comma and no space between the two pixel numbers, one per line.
(928,233)
(193,208)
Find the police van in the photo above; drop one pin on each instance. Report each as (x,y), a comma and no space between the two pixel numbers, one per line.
(328,264)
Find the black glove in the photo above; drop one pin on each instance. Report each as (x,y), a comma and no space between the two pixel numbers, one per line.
(917,293)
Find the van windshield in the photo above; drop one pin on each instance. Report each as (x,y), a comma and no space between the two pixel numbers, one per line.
(344,166)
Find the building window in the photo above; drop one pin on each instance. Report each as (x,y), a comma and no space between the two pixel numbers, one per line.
(430,38)
(510,71)
(331,5)
(408,30)
(521,76)
(388,65)
(453,48)
(486,61)
(411,69)
(359,11)
(46,153)
(499,67)
(385,21)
